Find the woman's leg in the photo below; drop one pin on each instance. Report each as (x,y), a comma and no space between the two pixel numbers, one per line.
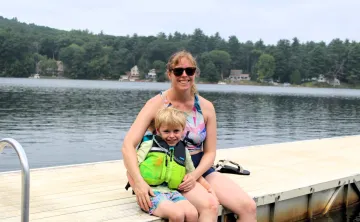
(204,202)
(231,196)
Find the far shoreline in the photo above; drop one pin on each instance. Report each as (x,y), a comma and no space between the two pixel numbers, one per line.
(241,83)
(303,85)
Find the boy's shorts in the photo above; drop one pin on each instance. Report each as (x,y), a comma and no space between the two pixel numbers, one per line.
(173,196)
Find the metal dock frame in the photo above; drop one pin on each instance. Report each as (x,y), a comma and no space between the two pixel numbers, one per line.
(25,177)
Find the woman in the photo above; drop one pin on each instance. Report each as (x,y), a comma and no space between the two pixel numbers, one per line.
(200,137)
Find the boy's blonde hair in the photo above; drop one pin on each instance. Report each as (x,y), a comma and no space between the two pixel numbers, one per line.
(171,117)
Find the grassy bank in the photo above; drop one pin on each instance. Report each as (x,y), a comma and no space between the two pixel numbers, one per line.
(325,85)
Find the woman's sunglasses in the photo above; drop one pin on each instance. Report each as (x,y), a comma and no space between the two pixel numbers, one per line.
(190,71)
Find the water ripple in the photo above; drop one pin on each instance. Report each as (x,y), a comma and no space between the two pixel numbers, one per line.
(71,121)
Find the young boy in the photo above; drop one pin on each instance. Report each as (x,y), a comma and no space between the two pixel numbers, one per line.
(163,162)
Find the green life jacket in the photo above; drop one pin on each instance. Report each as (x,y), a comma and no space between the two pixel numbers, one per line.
(163,163)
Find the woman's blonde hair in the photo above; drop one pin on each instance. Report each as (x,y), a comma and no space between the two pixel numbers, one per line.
(171,117)
(175,60)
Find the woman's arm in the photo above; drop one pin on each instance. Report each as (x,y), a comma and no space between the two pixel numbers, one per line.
(207,186)
(204,183)
(210,142)
(131,140)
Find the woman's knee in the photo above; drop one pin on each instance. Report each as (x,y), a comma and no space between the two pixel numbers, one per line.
(248,207)
(251,206)
(210,205)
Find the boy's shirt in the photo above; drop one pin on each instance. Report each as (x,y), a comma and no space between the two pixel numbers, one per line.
(144,149)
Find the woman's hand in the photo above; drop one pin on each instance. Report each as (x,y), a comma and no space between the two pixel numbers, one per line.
(188,183)
(143,191)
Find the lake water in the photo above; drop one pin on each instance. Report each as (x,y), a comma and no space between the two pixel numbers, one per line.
(62,122)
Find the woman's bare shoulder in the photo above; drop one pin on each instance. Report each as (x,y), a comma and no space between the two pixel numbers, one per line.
(206,104)
(207,108)
(155,99)
(154,103)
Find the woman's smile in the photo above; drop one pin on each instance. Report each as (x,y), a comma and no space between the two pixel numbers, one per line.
(184,81)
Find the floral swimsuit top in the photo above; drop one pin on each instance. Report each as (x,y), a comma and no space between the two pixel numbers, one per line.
(195,130)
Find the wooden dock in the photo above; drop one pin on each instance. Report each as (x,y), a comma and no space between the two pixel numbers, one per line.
(289,181)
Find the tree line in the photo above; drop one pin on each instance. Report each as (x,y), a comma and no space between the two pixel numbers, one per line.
(86,55)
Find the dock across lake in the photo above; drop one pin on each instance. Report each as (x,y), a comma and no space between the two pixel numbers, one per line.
(289,181)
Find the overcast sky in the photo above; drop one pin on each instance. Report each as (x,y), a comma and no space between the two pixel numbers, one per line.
(270,20)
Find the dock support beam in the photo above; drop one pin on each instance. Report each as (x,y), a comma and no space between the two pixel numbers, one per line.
(346,195)
(331,201)
(356,188)
(310,202)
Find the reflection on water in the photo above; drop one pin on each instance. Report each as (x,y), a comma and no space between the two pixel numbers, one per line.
(260,119)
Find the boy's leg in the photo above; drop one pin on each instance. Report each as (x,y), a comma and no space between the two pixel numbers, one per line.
(168,210)
(189,210)
(205,203)
(174,206)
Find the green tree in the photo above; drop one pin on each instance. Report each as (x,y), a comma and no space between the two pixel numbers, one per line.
(353,65)
(211,72)
(74,58)
(144,66)
(120,62)
(197,43)
(160,49)
(160,69)
(337,55)
(295,77)
(47,67)
(221,60)
(48,47)
(282,55)
(296,59)
(215,42)
(254,58)
(265,67)
(86,55)
(246,49)
(234,51)
(202,60)
(318,61)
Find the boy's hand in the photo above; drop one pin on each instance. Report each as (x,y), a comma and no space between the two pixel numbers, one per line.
(188,183)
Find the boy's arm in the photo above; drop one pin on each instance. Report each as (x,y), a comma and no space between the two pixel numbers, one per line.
(189,165)
(143,150)
(141,153)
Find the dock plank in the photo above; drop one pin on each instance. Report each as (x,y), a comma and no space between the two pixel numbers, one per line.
(95,191)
